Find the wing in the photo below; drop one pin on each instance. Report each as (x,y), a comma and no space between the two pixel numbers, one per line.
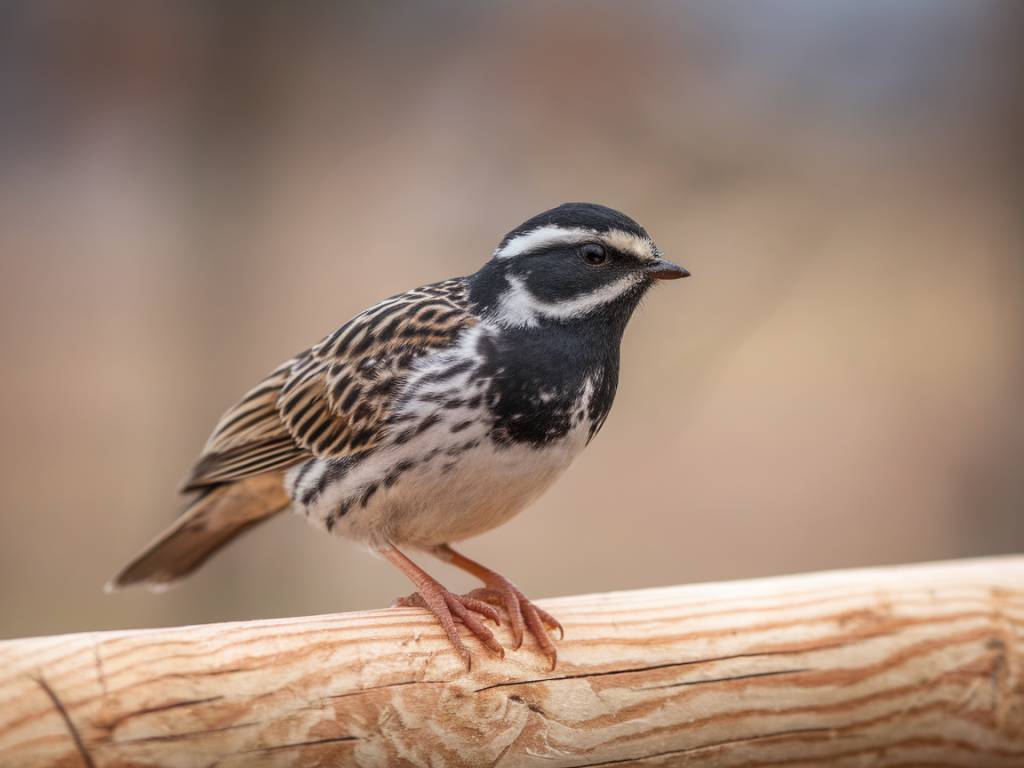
(334,399)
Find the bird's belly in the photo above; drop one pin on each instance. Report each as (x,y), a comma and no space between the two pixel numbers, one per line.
(431,491)
(477,492)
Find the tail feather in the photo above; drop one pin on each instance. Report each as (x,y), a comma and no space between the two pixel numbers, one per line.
(209,523)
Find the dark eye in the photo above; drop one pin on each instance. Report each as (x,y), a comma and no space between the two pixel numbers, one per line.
(594,254)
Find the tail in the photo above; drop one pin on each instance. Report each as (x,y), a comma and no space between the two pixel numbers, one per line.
(210,522)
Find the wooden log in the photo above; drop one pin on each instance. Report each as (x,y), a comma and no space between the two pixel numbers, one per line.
(911,665)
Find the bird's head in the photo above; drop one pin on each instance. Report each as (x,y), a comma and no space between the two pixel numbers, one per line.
(579,261)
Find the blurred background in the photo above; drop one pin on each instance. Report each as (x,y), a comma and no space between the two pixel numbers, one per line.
(191,192)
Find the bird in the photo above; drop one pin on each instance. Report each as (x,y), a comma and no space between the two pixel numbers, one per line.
(435,415)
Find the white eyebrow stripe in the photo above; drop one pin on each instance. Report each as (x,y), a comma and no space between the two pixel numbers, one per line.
(551,235)
(519,307)
(543,237)
(630,243)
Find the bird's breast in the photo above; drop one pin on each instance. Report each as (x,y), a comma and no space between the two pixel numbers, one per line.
(475,438)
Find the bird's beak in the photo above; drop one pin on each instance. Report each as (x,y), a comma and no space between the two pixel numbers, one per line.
(660,269)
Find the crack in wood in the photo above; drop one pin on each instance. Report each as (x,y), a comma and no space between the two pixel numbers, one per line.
(710,745)
(297,744)
(383,687)
(101,674)
(635,670)
(69,724)
(186,734)
(515,740)
(161,708)
(529,705)
(707,680)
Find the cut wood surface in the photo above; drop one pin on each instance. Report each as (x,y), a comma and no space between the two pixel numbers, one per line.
(905,666)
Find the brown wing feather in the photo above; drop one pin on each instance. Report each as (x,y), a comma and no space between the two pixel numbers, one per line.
(334,399)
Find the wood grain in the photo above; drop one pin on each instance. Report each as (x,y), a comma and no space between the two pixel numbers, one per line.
(906,666)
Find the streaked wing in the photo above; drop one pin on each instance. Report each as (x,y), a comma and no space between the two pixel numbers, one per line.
(335,399)
(250,437)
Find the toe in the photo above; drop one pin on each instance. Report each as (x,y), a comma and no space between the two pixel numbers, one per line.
(474,625)
(437,602)
(515,618)
(451,630)
(479,606)
(540,633)
(550,621)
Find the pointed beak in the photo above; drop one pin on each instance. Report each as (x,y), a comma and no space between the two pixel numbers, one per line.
(660,269)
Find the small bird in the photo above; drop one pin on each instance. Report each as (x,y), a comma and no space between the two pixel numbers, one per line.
(432,416)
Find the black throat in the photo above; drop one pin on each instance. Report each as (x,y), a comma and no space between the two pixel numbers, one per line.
(538,373)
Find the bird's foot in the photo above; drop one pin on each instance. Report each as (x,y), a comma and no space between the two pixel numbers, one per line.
(446,607)
(522,614)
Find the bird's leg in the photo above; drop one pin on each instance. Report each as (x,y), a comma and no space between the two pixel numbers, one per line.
(522,613)
(445,605)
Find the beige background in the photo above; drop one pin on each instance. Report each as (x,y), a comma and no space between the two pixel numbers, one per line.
(189,194)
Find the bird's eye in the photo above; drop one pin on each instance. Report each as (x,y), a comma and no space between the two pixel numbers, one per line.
(594,254)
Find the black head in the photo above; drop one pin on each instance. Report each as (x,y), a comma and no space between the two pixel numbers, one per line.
(577,262)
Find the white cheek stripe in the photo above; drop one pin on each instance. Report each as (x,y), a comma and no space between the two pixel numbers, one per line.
(552,235)
(518,307)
